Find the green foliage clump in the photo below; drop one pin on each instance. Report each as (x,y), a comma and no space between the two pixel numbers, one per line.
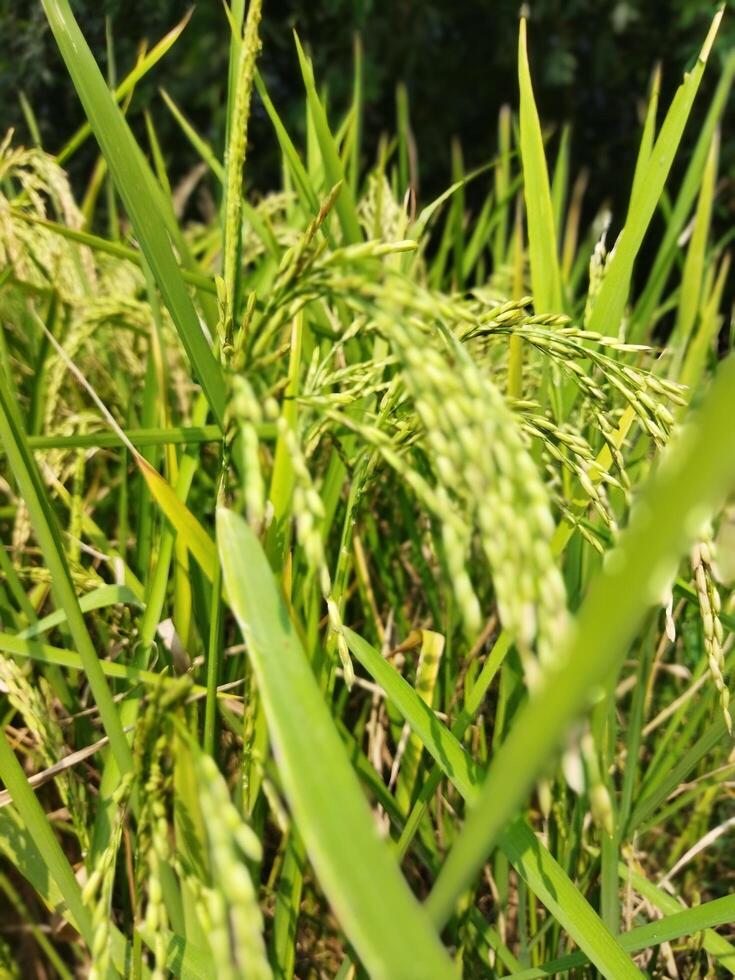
(366,579)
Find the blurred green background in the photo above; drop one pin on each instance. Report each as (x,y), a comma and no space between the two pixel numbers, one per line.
(591,61)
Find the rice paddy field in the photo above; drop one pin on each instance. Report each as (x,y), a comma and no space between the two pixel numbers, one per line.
(367,562)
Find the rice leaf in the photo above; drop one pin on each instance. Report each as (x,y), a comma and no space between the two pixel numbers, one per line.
(707,329)
(715,944)
(718,912)
(692,280)
(532,860)
(364,886)
(427,672)
(126,87)
(188,528)
(543,255)
(668,249)
(304,187)
(47,533)
(333,169)
(609,306)
(101,598)
(51,857)
(647,137)
(135,184)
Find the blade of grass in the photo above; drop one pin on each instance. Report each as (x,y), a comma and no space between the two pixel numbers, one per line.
(610,304)
(44,839)
(213,664)
(203,148)
(101,598)
(532,860)
(571,230)
(30,118)
(545,274)
(560,182)
(456,216)
(49,538)
(427,672)
(715,944)
(360,879)
(707,330)
(188,528)
(668,249)
(304,187)
(502,185)
(135,184)
(692,279)
(403,124)
(159,163)
(647,137)
(333,170)
(141,69)
(356,110)
(44,654)
(176,435)
(687,922)
(288,902)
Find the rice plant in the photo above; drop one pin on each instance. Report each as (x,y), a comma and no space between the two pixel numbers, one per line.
(367,562)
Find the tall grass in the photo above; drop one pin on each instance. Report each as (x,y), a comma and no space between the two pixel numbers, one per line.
(366,561)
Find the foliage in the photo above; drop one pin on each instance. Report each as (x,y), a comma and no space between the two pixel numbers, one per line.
(366,580)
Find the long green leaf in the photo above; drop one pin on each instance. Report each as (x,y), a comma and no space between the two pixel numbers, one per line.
(687,922)
(427,672)
(187,527)
(105,595)
(708,327)
(714,943)
(51,855)
(47,533)
(609,306)
(42,653)
(668,249)
(532,860)
(364,885)
(692,280)
(141,69)
(647,137)
(174,436)
(545,274)
(304,187)
(333,169)
(135,184)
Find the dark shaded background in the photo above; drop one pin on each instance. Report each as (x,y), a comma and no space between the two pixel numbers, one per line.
(591,62)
